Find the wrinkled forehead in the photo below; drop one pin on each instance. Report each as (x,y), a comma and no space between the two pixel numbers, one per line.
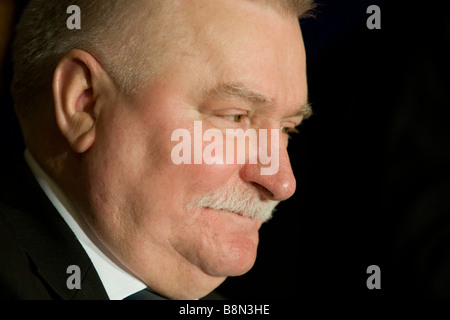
(208,16)
(243,41)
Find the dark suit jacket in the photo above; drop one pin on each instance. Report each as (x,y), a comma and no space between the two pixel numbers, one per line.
(37,246)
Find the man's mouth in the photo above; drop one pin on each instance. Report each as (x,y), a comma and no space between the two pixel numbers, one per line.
(227,211)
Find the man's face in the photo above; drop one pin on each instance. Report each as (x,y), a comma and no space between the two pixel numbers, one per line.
(141,203)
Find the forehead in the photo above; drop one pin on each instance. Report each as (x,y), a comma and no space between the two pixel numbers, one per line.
(240,25)
(239,41)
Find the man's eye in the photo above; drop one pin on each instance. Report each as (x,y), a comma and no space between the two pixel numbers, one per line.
(289,131)
(236,117)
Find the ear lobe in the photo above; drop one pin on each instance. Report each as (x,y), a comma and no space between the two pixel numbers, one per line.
(74,98)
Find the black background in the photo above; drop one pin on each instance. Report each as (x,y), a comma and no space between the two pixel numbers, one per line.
(372,164)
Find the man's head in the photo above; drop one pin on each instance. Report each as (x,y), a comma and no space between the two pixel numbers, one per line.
(114,97)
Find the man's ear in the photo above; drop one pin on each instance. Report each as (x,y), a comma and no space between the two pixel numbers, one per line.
(75,98)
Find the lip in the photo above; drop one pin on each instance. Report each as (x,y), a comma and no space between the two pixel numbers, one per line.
(237,219)
(238,214)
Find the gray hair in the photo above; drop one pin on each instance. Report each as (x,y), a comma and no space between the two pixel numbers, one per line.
(108,32)
(115,32)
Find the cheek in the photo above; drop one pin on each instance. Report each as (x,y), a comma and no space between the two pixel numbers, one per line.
(220,244)
(125,163)
(145,194)
(201,177)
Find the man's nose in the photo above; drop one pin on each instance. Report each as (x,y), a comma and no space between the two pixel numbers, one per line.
(278,186)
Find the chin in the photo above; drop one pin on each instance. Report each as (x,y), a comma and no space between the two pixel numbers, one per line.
(233,258)
(218,243)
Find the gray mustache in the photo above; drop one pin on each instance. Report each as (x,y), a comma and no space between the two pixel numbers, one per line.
(238,199)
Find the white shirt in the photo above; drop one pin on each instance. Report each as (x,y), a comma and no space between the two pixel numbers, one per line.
(117,281)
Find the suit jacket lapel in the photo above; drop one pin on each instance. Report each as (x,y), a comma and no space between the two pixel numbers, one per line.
(47,240)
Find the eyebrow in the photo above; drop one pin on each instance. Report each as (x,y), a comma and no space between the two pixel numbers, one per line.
(238,90)
(305,111)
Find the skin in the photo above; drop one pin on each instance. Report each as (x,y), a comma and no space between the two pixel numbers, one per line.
(114,160)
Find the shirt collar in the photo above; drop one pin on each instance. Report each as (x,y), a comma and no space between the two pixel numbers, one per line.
(118,282)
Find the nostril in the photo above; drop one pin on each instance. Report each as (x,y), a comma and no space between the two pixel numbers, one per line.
(265,193)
